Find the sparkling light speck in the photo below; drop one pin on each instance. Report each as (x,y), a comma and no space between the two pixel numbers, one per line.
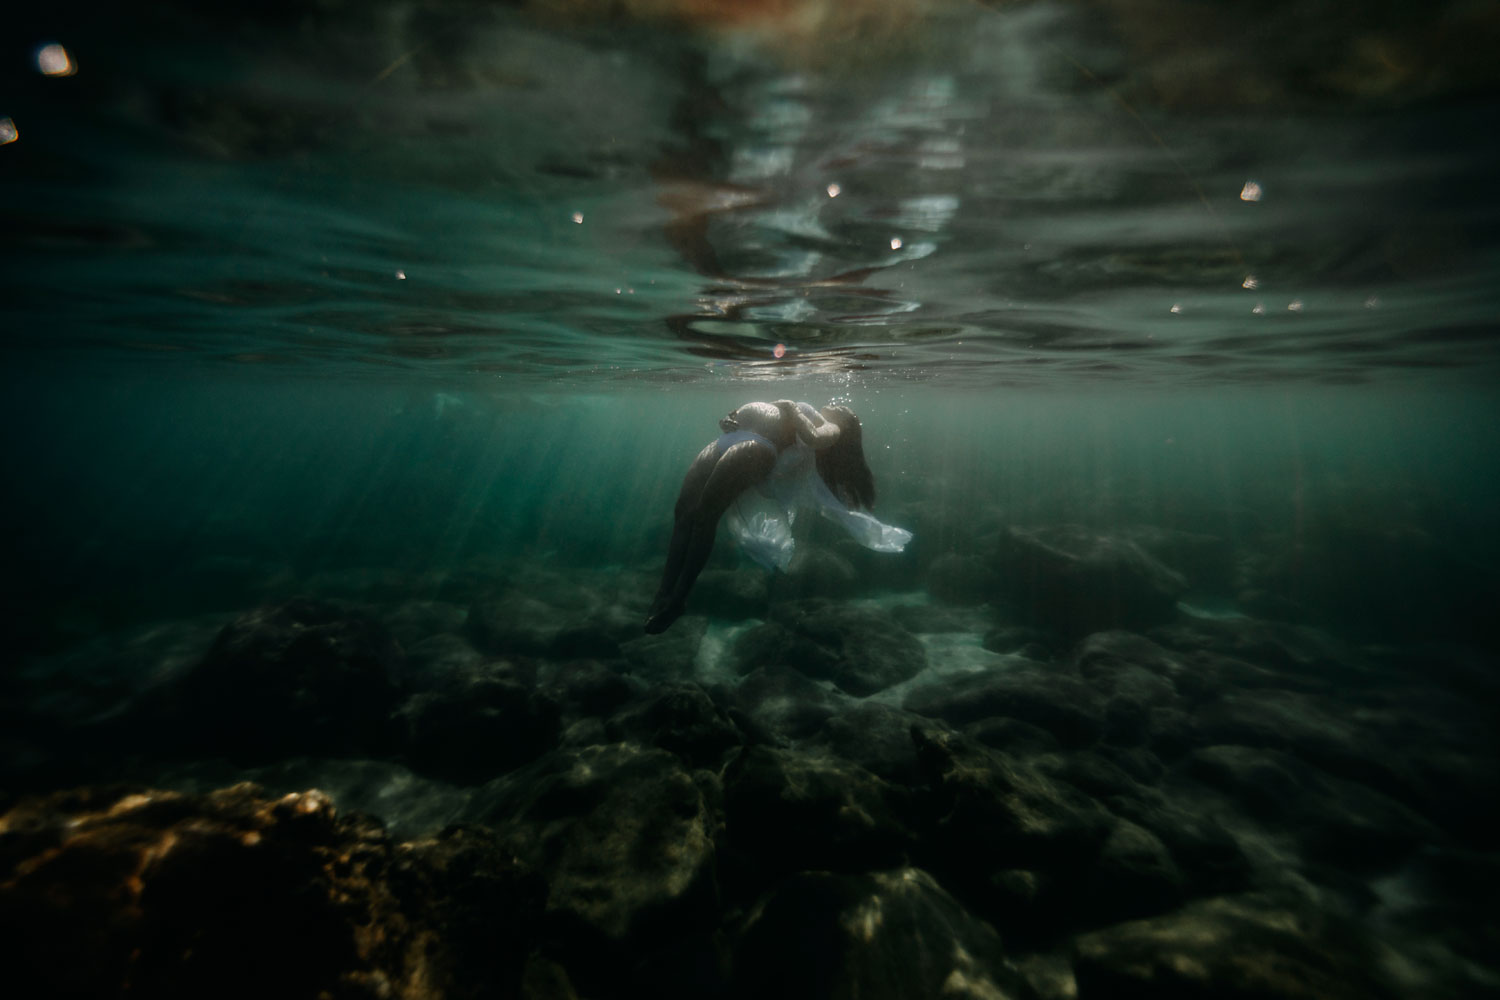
(54,60)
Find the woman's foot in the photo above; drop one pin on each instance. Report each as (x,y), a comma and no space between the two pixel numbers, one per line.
(661,617)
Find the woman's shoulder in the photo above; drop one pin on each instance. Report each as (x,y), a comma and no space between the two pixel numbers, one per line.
(764,419)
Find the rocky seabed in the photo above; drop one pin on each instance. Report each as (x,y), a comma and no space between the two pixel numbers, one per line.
(1064,785)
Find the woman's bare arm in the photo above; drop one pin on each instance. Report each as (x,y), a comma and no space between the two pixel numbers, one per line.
(814,431)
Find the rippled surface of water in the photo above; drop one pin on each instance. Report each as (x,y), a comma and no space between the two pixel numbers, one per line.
(355,353)
(1045,193)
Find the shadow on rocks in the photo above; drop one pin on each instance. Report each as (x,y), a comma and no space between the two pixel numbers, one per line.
(1020,847)
(303,677)
(474,732)
(787,811)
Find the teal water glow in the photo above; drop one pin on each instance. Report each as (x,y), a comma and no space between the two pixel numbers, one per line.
(355,353)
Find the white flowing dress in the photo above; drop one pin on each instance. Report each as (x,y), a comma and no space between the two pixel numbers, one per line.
(762,523)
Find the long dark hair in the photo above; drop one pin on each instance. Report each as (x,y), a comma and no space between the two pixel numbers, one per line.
(843,465)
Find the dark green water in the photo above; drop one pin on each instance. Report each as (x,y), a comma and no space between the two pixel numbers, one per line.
(144,496)
(423,309)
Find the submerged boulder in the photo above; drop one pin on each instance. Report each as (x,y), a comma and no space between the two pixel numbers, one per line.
(1012,735)
(626,838)
(731,593)
(1074,581)
(306,676)
(1318,729)
(590,687)
(107,676)
(1018,640)
(815,572)
(780,704)
(1012,841)
(1208,856)
(413,621)
(1132,876)
(989,805)
(889,935)
(1238,947)
(938,618)
(514,624)
(878,738)
(669,656)
(409,804)
(1138,681)
(1206,561)
(447,662)
(480,730)
(681,718)
(557,618)
(108,892)
(1050,698)
(1340,823)
(1299,656)
(787,811)
(1091,772)
(860,651)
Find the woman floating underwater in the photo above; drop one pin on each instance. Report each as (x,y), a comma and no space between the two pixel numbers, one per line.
(799,457)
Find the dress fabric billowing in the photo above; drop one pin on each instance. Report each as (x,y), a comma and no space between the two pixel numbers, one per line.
(761,519)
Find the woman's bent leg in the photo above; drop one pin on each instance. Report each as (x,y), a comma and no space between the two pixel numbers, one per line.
(697,521)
